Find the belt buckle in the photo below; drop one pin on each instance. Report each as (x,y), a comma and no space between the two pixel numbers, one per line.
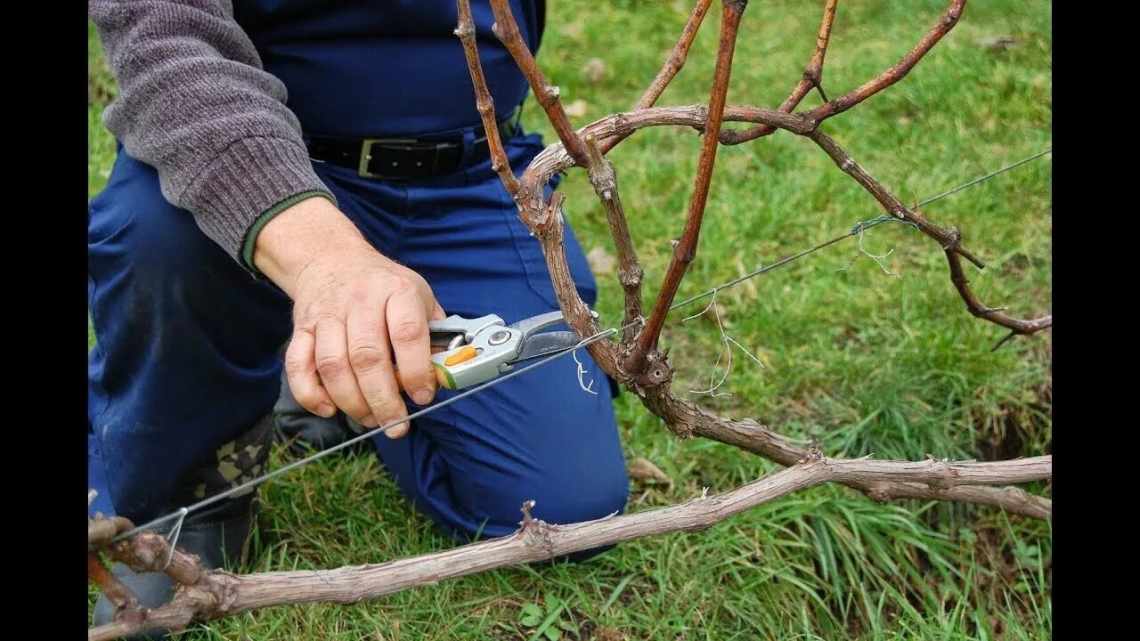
(366,154)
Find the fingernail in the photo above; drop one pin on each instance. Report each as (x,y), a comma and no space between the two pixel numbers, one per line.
(326,410)
(422,396)
(369,421)
(397,431)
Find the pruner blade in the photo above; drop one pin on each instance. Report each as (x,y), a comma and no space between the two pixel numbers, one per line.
(478,350)
(546,343)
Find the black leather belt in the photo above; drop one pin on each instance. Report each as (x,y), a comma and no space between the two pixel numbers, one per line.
(405,158)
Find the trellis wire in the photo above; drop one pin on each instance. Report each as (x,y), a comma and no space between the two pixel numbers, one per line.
(858,229)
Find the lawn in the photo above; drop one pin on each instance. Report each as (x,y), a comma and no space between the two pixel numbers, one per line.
(862,360)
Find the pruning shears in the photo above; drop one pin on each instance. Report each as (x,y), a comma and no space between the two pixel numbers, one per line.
(477,350)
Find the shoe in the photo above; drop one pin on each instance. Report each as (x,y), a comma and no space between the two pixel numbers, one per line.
(305,433)
(217,535)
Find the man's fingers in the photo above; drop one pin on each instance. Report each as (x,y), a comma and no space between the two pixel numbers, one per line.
(372,364)
(301,373)
(437,313)
(331,356)
(411,342)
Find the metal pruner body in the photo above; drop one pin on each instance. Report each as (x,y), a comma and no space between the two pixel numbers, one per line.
(480,349)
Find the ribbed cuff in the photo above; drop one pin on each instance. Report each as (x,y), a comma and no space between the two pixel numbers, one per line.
(251,235)
(246,185)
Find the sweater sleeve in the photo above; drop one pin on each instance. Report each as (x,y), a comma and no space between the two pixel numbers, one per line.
(195,104)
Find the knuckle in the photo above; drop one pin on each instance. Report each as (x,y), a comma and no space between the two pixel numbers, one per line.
(294,363)
(399,283)
(332,365)
(407,330)
(360,294)
(323,316)
(309,314)
(365,357)
(308,398)
(297,361)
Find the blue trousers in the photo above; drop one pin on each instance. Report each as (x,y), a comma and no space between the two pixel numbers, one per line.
(188,352)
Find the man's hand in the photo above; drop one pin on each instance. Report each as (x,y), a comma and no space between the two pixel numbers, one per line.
(357,317)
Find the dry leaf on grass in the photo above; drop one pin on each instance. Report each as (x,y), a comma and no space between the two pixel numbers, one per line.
(594,70)
(577,109)
(642,469)
(608,634)
(602,263)
(997,43)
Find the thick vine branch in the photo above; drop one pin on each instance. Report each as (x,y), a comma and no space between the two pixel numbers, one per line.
(617,127)
(686,249)
(547,226)
(601,171)
(507,30)
(151,552)
(465,31)
(545,219)
(218,594)
(812,78)
(198,591)
(604,180)
(118,594)
(100,531)
(686,419)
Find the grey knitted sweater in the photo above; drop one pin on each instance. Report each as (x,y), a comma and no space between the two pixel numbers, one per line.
(195,104)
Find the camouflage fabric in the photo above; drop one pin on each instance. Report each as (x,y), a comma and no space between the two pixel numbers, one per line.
(234,463)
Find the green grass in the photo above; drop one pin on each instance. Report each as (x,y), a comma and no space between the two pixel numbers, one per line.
(864,362)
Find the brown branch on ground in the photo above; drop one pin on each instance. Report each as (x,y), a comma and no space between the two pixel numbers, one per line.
(118,594)
(812,78)
(507,30)
(465,31)
(219,594)
(686,419)
(198,591)
(686,249)
(150,552)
